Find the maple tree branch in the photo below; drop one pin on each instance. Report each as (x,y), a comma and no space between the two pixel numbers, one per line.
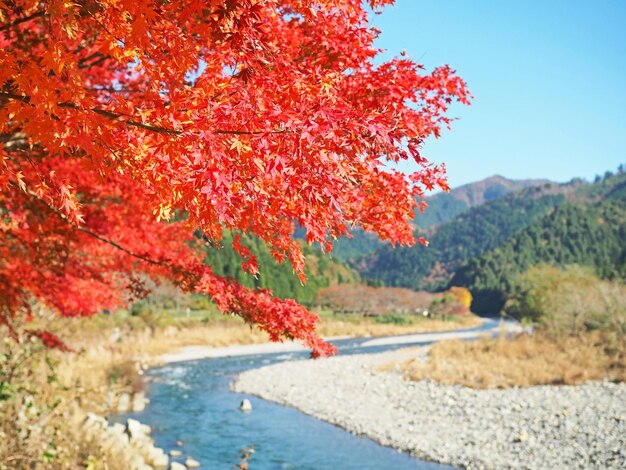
(14,141)
(37,14)
(13,96)
(114,90)
(92,64)
(131,122)
(118,246)
(102,112)
(83,63)
(282,131)
(97,236)
(89,57)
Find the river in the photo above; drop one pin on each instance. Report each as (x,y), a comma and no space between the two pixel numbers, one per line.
(191,403)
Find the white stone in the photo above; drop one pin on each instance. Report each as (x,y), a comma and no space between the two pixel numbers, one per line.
(139,402)
(245,405)
(135,428)
(191,463)
(137,463)
(94,423)
(117,428)
(123,403)
(116,336)
(158,458)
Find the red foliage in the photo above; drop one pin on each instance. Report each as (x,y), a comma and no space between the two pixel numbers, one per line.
(50,340)
(213,115)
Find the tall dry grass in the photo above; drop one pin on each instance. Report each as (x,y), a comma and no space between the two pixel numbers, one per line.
(521,362)
(358,326)
(43,393)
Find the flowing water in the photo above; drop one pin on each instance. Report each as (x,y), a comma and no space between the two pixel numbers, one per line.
(191,403)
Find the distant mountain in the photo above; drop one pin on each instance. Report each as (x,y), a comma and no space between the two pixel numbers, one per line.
(442,208)
(588,230)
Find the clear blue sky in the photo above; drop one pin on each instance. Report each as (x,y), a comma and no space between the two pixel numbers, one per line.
(548,77)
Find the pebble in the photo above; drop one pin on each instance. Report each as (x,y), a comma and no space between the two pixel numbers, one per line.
(556,427)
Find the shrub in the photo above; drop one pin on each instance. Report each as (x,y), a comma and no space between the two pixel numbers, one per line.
(521,362)
(463,296)
(569,301)
(33,433)
(449,305)
(393,319)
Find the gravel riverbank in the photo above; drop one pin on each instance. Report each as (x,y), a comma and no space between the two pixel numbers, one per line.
(536,428)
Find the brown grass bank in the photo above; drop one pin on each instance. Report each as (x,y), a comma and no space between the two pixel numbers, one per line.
(521,362)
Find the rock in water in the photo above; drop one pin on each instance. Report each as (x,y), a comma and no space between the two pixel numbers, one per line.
(139,402)
(123,404)
(135,429)
(245,405)
(158,458)
(177,466)
(191,463)
(175,453)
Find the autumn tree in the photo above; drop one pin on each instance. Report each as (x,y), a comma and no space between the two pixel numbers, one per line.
(134,130)
(463,297)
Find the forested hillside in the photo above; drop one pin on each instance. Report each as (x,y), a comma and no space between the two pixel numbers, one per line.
(442,208)
(473,233)
(360,244)
(321,270)
(485,248)
(591,232)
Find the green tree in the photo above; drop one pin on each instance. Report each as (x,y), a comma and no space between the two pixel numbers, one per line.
(567,301)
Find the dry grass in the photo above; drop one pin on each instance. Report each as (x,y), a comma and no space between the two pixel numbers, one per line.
(152,338)
(108,349)
(521,362)
(358,326)
(48,390)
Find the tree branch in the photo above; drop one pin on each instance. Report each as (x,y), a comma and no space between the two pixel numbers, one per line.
(132,122)
(83,63)
(37,14)
(114,90)
(95,235)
